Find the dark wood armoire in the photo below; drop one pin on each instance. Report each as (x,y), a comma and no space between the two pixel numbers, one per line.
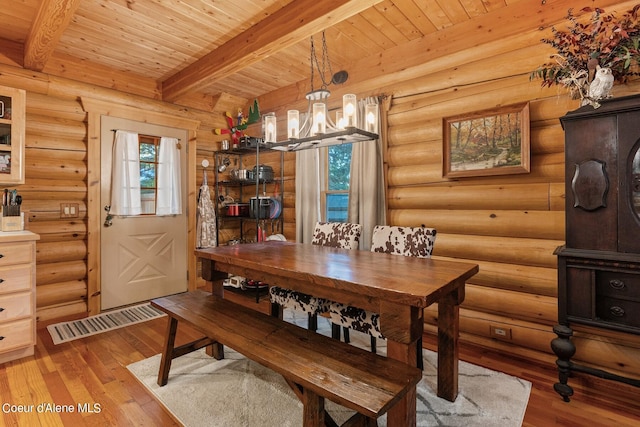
(599,266)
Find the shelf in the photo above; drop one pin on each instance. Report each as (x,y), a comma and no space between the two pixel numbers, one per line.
(346,136)
(249,298)
(244,190)
(12,135)
(239,183)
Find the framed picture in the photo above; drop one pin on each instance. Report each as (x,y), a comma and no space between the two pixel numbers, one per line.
(488,142)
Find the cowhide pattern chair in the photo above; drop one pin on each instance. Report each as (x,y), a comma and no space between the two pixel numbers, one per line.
(332,234)
(407,241)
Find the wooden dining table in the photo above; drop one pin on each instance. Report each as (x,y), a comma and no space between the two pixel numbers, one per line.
(396,287)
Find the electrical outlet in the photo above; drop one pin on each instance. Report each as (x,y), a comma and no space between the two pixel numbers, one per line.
(69,210)
(500,332)
(64,210)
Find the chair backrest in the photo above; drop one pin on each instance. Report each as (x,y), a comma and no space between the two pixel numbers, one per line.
(408,241)
(343,235)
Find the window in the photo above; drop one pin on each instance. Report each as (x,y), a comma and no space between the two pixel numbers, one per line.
(148,173)
(335,192)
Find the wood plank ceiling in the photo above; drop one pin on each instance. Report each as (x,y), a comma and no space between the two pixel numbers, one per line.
(210,47)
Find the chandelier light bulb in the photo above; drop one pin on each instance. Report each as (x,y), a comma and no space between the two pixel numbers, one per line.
(319,118)
(349,110)
(339,120)
(293,124)
(371,117)
(270,128)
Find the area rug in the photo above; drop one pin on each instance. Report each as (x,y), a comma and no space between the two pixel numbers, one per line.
(237,392)
(114,319)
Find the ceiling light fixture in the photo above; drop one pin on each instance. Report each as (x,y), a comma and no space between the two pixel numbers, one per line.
(315,128)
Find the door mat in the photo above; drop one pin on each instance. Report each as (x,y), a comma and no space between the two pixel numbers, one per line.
(103,322)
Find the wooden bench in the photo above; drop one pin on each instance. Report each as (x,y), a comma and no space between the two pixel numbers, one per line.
(316,366)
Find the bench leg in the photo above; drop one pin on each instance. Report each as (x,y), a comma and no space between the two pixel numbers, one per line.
(359,420)
(167,353)
(215,350)
(313,409)
(170,352)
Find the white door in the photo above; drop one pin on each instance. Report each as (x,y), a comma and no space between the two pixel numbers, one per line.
(142,257)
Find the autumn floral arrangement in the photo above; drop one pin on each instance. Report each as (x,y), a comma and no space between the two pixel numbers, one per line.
(604,41)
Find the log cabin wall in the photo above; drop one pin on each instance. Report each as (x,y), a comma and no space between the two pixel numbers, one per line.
(56,170)
(510,225)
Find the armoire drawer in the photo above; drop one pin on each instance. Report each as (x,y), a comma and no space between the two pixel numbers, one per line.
(16,253)
(15,306)
(618,285)
(16,278)
(619,311)
(16,334)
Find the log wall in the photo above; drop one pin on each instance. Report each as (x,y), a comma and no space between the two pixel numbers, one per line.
(510,225)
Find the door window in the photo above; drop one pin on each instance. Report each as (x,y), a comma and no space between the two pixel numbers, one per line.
(148,173)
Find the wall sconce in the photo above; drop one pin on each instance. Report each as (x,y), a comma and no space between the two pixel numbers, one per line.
(319,125)
(293,124)
(270,131)
(371,118)
(350,110)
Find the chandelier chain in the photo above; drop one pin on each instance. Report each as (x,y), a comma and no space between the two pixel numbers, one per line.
(326,63)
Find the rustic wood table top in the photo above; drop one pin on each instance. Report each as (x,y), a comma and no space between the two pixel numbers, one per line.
(405,280)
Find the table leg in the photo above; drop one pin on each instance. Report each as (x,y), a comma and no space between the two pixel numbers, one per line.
(448,331)
(403,327)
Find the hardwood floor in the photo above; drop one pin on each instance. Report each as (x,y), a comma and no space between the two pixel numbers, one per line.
(89,381)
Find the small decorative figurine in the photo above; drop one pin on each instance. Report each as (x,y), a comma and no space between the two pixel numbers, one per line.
(236,130)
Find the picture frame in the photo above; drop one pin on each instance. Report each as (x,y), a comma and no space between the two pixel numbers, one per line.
(485,143)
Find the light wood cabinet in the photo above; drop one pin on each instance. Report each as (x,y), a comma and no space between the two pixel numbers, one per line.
(12,125)
(17,294)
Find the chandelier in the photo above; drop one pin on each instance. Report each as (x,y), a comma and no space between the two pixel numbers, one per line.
(315,128)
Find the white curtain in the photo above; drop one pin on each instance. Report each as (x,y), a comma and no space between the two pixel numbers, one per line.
(169,200)
(309,176)
(125,175)
(367,205)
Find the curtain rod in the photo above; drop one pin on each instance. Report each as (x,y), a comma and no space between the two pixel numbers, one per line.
(116,130)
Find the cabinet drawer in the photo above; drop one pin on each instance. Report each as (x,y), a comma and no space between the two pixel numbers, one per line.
(16,334)
(618,285)
(619,311)
(16,253)
(17,278)
(15,306)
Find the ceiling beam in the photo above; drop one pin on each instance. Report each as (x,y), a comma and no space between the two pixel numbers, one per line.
(51,21)
(289,25)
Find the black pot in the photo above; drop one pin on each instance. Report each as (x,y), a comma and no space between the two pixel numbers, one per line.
(260,207)
(264,172)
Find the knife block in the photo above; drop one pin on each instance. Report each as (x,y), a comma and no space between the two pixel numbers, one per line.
(11,210)
(12,219)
